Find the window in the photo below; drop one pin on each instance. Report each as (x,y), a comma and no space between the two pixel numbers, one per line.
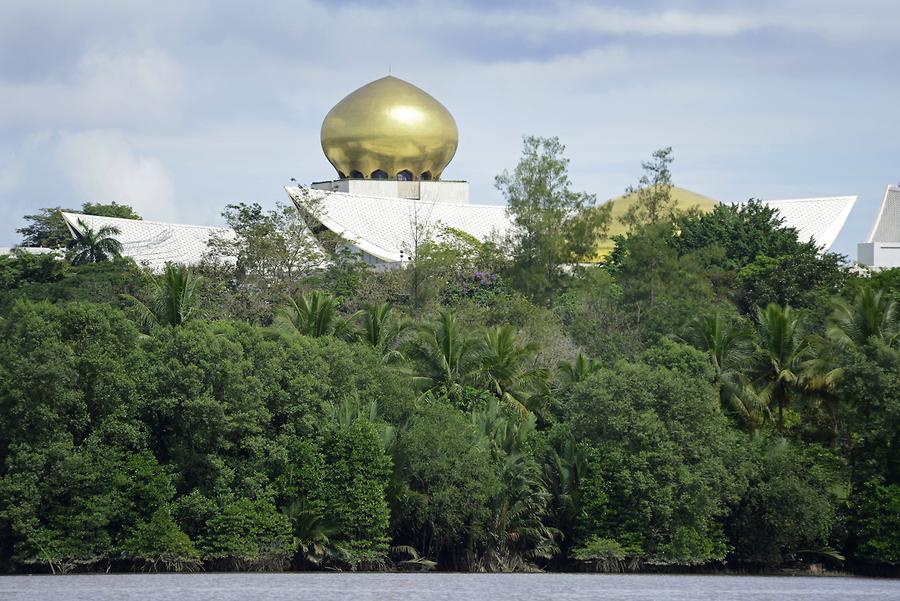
(405,175)
(356,175)
(425,176)
(379,174)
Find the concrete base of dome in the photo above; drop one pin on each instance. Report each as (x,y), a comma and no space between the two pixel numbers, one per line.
(426,191)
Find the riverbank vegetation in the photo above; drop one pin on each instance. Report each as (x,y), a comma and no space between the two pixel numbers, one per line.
(714,394)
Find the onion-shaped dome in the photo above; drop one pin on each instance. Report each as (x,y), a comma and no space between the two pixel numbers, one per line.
(389,129)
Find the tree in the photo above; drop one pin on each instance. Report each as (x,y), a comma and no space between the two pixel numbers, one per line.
(446,358)
(553,226)
(744,232)
(778,369)
(316,315)
(112,209)
(871,315)
(276,245)
(159,544)
(667,462)
(728,346)
(382,330)
(572,372)
(653,200)
(248,534)
(453,266)
(518,533)
(175,298)
(875,521)
(663,291)
(788,506)
(356,477)
(48,229)
(274,251)
(566,464)
(94,246)
(20,267)
(507,370)
(870,389)
(803,279)
(443,506)
(313,533)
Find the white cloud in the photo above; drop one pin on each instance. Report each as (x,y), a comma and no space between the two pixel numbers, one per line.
(107,87)
(102,167)
(831,20)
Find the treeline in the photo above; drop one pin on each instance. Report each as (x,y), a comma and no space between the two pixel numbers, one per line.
(715,393)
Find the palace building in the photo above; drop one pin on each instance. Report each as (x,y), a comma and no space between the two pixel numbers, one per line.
(882,248)
(389,143)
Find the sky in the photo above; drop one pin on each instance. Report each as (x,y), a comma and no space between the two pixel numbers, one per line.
(179,108)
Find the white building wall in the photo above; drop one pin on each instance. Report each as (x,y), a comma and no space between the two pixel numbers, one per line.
(426,191)
(882,249)
(879,255)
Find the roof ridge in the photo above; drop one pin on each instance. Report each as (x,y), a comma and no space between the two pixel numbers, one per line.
(811,198)
(148,221)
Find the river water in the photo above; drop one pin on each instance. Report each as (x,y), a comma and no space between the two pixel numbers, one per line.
(468,587)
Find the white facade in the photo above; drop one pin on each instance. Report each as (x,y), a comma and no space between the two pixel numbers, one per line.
(881,250)
(154,243)
(426,191)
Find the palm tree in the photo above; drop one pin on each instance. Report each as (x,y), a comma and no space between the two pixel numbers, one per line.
(565,465)
(505,370)
(382,331)
(175,299)
(94,246)
(872,315)
(312,533)
(572,372)
(778,371)
(518,531)
(446,358)
(729,350)
(316,315)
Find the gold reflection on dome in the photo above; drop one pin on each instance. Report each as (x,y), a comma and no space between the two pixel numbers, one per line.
(388,128)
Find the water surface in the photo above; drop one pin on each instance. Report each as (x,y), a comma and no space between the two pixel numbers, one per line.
(468,587)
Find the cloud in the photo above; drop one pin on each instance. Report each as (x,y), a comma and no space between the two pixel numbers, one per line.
(105,88)
(182,108)
(99,166)
(568,17)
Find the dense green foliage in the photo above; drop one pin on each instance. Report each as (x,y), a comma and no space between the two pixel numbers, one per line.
(717,394)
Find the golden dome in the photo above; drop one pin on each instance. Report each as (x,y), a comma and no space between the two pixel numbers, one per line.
(389,129)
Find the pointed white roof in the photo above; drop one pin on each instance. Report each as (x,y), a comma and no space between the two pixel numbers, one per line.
(819,219)
(154,243)
(887,224)
(385,226)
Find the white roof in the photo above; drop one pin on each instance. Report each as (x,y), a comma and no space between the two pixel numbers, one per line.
(887,224)
(28,250)
(385,226)
(819,219)
(154,243)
